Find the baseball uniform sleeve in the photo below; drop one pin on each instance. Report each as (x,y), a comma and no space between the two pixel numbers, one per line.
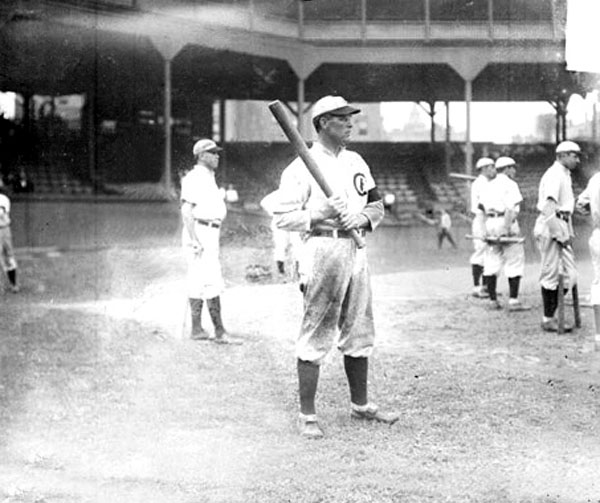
(373,209)
(288,203)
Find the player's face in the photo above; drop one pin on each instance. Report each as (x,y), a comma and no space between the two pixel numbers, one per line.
(338,127)
(211,159)
(571,160)
(489,171)
(511,172)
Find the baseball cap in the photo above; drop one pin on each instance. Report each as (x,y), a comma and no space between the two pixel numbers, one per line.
(205,145)
(333,105)
(567,146)
(484,161)
(505,162)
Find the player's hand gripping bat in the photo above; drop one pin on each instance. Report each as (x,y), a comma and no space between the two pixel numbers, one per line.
(278,111)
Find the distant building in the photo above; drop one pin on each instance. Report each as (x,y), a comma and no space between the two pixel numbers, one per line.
(251,121)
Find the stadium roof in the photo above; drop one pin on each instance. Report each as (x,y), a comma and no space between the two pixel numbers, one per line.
(379,50)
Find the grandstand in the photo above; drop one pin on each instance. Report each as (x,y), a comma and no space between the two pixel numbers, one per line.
(194,55)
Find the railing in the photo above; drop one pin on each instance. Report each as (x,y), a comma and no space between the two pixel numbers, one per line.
(345,25)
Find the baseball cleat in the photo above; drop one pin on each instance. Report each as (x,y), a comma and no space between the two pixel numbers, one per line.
(226,340)
(478,294)
(552,326)
(494,305)
(371,412)
(518,306)
(200,336)
(308,426)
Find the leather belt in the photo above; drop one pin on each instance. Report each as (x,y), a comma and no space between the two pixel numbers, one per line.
(208,223)
(564,215)
(334,233)
(495,213)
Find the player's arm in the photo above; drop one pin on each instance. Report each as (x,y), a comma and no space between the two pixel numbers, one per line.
(370,216)
(557,230)
(582,204)
(288,202)
(187,216)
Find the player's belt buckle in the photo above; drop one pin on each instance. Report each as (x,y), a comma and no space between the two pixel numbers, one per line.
(495,213)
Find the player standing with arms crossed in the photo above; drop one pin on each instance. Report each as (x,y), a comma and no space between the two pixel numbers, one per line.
(9,263)
(553,229)
(337,291)
(203,209)
(588,203)
(501,199)
(487,172)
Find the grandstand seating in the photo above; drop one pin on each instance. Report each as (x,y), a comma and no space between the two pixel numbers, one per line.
(56,180)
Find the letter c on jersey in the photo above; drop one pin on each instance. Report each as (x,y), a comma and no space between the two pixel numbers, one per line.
(360,181)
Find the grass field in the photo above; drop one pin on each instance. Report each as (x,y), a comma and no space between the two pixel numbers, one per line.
(104,399)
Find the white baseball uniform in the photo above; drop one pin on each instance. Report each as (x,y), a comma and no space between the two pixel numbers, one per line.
(499,196)
(555,184)
(478,223)
(8,260)
(337,292)
(199,188)
(591,196)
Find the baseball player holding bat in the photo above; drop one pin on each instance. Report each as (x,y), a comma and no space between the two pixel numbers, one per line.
(553,230)
(336,282)
(500,201)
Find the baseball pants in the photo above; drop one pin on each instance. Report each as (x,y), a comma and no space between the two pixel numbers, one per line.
(204,277)
(479,246)
(550,252)
(9,263)
(337,300)
(594,244)
(509,256)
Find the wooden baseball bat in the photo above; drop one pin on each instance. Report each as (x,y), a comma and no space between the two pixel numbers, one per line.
(278,111)
(576,311)
(560,308)
(498,240)
(462,176)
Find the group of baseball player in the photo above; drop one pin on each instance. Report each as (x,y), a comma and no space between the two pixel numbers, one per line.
(498,243)
(495,204)
(334,277)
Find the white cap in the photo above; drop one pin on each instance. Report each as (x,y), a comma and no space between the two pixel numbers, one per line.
(505,162)
(484,161)
(567,146)
(205,145)
(333,104)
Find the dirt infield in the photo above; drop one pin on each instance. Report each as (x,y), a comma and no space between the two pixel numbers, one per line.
(104,399)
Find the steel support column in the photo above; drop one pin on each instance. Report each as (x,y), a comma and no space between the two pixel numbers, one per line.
(167,179)
(301,98)
(468,142)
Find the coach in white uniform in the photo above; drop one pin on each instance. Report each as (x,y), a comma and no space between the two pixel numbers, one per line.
(203,209)
(487,172)
(501,200)
(554,231)
(588,203)
(337,291)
